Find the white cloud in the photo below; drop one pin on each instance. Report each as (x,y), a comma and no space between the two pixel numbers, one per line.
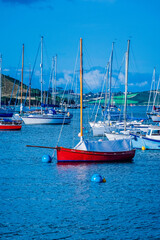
(121,78)
(140,84)
(6,70)
(66,79)
(61,81)
(94,79)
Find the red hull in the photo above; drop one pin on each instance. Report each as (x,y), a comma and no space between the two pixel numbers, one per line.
(73,155)
(10,127)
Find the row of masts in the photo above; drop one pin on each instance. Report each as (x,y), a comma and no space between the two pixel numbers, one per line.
(110,83)
(153,91)
(54,66)
(109,73)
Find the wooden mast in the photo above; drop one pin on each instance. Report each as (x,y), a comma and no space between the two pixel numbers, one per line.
(21,107)
(81,90)
(30,87)
(0,80)
(126,85)
(55,78)
(41,65)
(53,61)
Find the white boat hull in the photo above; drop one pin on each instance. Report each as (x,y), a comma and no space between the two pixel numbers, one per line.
(41,119)
(101,130)
(155,118)
(139,142)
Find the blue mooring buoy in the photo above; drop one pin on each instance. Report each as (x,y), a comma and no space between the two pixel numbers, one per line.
(46,159)
(97,178)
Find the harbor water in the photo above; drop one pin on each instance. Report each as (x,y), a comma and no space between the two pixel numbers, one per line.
(59,201)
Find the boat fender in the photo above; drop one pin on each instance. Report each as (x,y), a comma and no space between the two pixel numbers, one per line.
(46,159)
(97,178)
(143,148)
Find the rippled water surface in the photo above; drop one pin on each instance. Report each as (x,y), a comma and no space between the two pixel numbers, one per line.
(51,201)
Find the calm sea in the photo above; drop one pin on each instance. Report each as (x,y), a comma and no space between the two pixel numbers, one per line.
(51,201)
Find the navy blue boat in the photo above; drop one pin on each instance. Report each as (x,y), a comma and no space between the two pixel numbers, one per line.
(5,113)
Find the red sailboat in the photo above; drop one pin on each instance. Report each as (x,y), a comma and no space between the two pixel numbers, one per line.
(95,151)
(10,125)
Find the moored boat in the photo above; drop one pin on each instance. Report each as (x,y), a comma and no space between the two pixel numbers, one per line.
(155,117)
(5,113)
(95,151)
(10,125)
(149,141)
(50,118)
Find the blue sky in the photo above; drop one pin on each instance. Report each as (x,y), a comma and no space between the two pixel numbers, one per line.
(98,22)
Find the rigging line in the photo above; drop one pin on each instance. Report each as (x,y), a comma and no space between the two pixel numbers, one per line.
(85,82)
(149,100)
(90,63)
(32,73)
(17,93)
(88,56)
(75,116)
(156,92)
(75,129)
(136,66)
(99,100)
(115,54)
(15,79)
(63,95)
(119,71)
(46,52)
(73,78)
(50,80)
(74,73)
(59,135)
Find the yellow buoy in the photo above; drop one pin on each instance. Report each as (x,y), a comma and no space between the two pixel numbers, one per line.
(143,148)
(104,180)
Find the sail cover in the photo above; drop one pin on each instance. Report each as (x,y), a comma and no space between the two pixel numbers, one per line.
(105,146)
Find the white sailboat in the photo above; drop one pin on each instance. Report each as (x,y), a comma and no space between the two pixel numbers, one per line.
(99,128)
(122,130)
(124,134)
(51,117)
(155,116)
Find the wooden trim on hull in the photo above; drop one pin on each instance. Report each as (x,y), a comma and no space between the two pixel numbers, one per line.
(73,155)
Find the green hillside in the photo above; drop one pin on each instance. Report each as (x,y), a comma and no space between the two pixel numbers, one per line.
(10,85)
(140,98)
